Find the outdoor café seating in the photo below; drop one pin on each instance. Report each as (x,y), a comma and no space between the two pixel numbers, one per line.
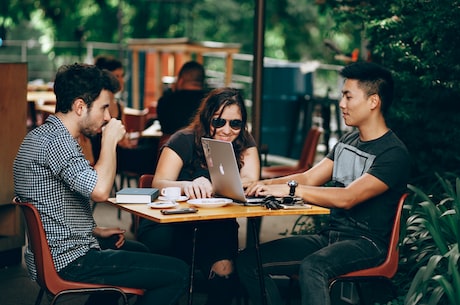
(306,160)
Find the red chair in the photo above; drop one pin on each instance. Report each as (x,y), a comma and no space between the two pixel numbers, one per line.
(382,273)
(47,277)
(134,121)
(307,157)
(386,270)
(145,181)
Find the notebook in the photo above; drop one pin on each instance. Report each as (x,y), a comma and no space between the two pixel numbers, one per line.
(223,169)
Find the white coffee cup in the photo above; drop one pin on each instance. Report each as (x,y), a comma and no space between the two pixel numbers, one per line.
(171,192)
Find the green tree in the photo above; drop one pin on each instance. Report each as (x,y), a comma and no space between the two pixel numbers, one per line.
(12,12)
(418,40)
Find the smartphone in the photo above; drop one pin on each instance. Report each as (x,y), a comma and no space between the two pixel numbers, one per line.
(179,211)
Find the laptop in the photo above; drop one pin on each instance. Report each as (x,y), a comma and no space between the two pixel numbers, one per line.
(223,169)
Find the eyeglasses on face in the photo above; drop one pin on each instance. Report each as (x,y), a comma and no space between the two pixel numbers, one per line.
(220,122)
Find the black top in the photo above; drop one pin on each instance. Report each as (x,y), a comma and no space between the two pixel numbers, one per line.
(176,109)
(385,158)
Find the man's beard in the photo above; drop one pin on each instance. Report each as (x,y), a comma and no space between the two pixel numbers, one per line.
(90,133)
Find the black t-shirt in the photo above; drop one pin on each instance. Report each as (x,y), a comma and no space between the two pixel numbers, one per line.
(385,158)
(176,109)
(182,142)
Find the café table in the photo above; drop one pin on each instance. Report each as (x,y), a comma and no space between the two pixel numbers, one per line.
(153,131)
(48,109)
(40,97)
(40,103)
(252,213)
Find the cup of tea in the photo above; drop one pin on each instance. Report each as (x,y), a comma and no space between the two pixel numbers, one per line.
(171,192)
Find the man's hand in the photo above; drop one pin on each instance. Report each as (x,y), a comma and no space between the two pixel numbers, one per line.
(260,189)
(250,188)
(108,232)
(114,130)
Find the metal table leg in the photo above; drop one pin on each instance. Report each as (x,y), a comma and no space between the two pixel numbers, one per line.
(192,268)
(255,232)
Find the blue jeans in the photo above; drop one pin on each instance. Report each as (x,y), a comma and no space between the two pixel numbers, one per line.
(164,278)
(315,258)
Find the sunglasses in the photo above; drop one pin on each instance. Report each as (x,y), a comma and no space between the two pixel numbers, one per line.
(220,122)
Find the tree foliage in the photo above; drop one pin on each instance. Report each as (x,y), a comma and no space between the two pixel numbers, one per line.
(418,40)
(294,29)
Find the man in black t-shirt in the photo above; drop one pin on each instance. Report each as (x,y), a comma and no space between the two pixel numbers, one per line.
(366,173)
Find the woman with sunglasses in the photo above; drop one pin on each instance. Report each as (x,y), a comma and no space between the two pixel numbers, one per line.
(222,115)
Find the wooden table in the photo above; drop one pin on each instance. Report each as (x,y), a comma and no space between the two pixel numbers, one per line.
(49,109)
(153,131)
(40,102)
(229,211)
(40,97)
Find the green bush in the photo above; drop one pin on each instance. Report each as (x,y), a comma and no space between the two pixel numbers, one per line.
(429,249)
(419,41)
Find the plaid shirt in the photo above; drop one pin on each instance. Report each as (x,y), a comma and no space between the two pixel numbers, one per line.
(51,172)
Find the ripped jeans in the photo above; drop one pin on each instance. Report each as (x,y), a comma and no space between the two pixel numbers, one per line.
(315,258)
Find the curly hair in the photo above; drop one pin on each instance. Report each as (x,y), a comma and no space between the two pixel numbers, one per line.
(215,103)
(81,81)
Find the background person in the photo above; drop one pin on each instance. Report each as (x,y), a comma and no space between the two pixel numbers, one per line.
(116,106)
(51,172)
(177,107)
(367,172)
(222,116)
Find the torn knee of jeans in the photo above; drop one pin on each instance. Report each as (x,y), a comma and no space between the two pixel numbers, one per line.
(222,268)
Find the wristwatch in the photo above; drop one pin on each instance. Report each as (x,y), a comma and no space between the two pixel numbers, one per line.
(292,185)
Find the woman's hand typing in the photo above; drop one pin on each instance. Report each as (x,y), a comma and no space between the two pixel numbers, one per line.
(199,188)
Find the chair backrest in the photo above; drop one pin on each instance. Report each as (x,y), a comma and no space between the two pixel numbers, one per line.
(146,180)
(47,276)
(390,266)
(134,120)
(307,156)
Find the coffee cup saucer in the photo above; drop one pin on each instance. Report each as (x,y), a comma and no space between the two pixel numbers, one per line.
(179,199)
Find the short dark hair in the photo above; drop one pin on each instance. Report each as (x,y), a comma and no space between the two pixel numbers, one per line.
(108,62)
(192,71)
(81,81)
(372,78)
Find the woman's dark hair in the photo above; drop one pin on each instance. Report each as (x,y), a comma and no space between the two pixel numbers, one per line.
(81,81)
(215,102)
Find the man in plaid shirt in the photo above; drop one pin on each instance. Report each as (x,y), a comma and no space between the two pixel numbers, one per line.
(51,172)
